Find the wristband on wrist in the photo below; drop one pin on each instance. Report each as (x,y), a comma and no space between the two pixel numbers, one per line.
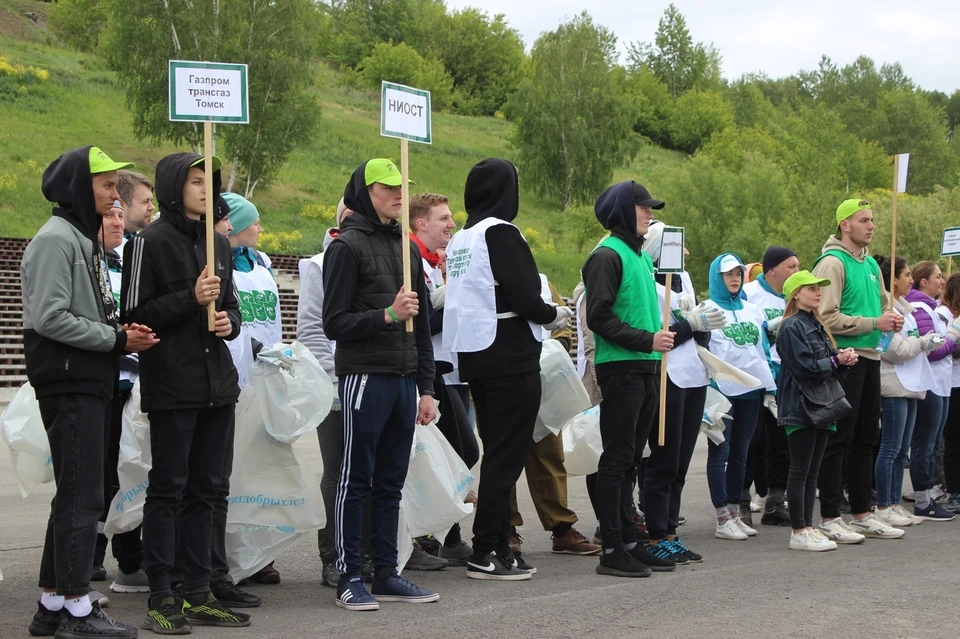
(835,361)
(392,315)
(874,323)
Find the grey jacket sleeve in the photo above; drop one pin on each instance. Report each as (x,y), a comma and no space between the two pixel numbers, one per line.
(49,270)
(310,318)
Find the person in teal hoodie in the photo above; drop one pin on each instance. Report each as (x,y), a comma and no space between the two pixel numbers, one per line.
(742,344)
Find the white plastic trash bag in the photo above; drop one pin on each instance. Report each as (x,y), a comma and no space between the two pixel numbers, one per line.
(437,484)
(562,395)
(293,391)
(24,433)
(133,469)
(582,445)
(714,411)
(250,548)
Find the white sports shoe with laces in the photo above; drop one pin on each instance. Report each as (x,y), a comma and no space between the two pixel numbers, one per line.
(838,531)
(729,530)
(876,528)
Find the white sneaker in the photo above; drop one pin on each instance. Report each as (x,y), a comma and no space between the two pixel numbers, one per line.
(891,517)
(838,531)
(903,512)
(729,530)
(911,496)
(799,541)
(757,504)
(747,530)
(876,528)
(811,540)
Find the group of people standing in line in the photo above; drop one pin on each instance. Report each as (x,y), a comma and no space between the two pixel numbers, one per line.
(825,369)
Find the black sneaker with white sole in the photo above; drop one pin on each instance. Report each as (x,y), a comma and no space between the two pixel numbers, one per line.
(620,563)
(520,563)
(45,622)
(95,624)
(494,568)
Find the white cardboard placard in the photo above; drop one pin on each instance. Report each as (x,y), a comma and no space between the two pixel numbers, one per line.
(208,92)
(405,113)
(671,250)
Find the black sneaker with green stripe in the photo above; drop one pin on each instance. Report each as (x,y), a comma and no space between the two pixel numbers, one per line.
(167,618)
(212,612)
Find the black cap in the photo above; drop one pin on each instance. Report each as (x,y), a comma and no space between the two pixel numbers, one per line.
(220,209)
(774,256)
(642,197)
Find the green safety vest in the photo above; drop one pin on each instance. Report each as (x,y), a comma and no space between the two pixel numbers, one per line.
(860,297)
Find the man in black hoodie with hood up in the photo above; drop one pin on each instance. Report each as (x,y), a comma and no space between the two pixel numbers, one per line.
(73,344)
(188,388)
(381,367)
(492,320)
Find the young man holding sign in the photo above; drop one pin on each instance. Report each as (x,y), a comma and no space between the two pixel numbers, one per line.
(624,314)
(381,367)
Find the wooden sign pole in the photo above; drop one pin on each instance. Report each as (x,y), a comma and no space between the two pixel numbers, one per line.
(949,266)
(405,222)
(662,435)
(211,197)
(893,235)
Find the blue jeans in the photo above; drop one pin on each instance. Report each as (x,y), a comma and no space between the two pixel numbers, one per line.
(931,418)
(727,463)
(897,420)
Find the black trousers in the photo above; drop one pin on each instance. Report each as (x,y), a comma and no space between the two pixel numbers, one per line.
(951,443)
(856,437)
(806,452)
(188,447)
(74,425)
(507,410)
(219,568)
(768,462)
(666,468)
(127,549)
(628,412)
(756,469)
(454,423)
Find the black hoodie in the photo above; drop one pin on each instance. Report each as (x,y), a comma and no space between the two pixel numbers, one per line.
(191,367)
(362,273)
(492,190)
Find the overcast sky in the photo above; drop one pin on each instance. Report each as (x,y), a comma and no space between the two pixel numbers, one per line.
(777,37)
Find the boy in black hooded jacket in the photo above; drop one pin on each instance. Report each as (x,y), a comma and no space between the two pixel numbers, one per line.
(188,388)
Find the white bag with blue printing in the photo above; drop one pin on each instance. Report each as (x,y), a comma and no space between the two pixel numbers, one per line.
(24,433)
(133,469)
(562,395)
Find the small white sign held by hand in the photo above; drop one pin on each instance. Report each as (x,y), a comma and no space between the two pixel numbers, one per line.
(904,163)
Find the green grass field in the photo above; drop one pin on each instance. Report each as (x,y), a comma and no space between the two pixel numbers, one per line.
(82,103)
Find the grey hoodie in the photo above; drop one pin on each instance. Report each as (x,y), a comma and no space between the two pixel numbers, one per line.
(310,310)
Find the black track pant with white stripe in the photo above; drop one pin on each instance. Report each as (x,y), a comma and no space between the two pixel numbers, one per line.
(379,415)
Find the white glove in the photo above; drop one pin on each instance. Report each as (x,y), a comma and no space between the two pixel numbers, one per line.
(336,397)
(704,319)
(930,342)
(562,320)
(770,403)
(773,326)
(686,302)
(953,331)
(438,296)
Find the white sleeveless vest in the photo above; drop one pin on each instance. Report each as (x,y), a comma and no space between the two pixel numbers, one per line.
(683,363)
(942,369)
(740,344)
(259,315)
(772,306)
(948,318)
(915,374)
(434,277)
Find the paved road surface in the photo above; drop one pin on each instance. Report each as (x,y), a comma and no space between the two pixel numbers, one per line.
(754,588)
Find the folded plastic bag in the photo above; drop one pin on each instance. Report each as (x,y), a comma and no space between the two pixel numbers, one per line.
(562,395)
(23,431)
(133,468)
(721,371)
(714,412)
(293,391)
(582,445)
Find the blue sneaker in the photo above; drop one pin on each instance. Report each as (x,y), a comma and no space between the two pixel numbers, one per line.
(396,588)
(664,550)
(695,558)
(353,595)
(933,512)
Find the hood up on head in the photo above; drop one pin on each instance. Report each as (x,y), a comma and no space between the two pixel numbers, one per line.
(492,190)
(356,197)
(718,289)
(616,211)
(69,183)
(170,178)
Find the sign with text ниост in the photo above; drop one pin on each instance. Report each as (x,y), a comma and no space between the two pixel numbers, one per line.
(208,92)
(405,113)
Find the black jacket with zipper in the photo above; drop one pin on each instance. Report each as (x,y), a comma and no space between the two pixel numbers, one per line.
(191,367)
(362,273)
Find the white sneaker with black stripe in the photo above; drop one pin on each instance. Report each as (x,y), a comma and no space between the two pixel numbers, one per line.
(492,568)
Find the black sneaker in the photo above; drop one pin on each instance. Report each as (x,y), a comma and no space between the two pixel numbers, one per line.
(746,515)
(620,563)
(367,568)
(667,549)
(231,595)
(456,555)
(96,624)
(430,545)
(681,520)
(330,575)
(656,564)
(167,618)
(777,516)
(493,568)
(598,537)
(694,558)
(420,559)
(99,573)
(45,622)
(212,612)
(519,563)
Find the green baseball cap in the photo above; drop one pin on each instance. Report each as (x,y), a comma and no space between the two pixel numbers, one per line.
(383,171)
(214,159)
(849,207)
(100,162)
(799,279)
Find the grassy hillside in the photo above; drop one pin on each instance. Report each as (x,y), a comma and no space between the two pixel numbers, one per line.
(82,103)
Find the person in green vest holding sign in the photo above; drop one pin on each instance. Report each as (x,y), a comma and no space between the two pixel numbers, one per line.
(623,313)
(853,309)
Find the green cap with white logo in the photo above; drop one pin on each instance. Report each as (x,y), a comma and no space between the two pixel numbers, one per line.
(100,162)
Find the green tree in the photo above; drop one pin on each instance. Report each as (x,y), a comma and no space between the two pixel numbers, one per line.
(953,112)
(652,105)
(273,38)
(401,63)
(696,116)
(572,116)
(582,223)
(79,22)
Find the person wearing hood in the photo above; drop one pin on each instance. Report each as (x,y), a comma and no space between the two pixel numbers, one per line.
(188,388)
(769,455)
(381,367)
(493,320)
(742,344)
(853,309)
(931,410)
(665,470)
(73,341)
(330,431)
(623,314)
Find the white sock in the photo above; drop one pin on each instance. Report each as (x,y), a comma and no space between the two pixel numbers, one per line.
(51,601)
(79,607)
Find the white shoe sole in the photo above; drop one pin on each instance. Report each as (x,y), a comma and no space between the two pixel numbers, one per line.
(813,549)
(937,519)
(358,607)
(489,577)
(411,600)
(721,535)
(123,588)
